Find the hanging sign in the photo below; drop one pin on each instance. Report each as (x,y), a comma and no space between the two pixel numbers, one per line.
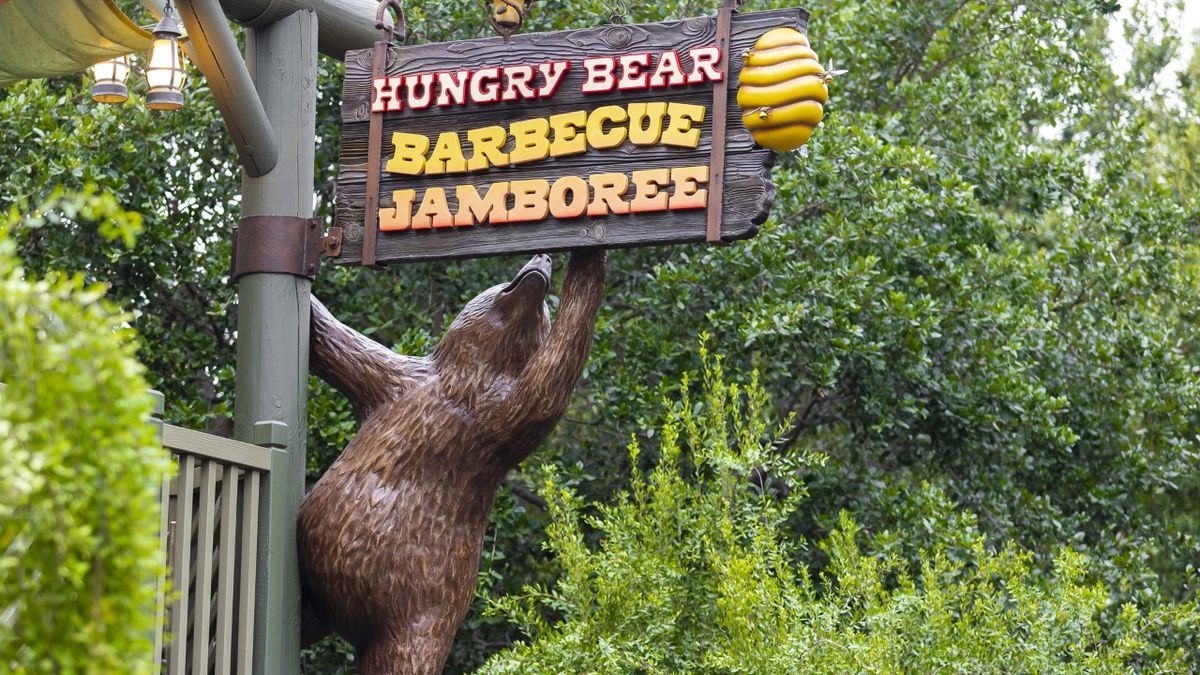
(625,135)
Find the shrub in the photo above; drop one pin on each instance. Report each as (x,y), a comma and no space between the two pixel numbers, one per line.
(79,549)
(691,571)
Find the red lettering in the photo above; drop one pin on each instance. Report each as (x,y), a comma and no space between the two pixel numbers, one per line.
(704,64)
(599,75)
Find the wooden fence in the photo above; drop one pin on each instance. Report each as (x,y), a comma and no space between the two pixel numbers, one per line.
(214,513)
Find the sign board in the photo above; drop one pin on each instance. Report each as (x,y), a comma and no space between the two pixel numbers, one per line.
(619,136)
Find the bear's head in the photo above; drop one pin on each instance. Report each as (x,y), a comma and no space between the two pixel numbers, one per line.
(500,330)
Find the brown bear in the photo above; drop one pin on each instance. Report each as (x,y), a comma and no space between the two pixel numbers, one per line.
(390,537)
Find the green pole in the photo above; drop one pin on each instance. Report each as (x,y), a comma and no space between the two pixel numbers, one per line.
(272,346)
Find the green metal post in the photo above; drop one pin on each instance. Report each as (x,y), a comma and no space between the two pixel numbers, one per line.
(272,348)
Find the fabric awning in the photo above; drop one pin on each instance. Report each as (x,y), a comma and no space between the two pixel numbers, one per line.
(50,38)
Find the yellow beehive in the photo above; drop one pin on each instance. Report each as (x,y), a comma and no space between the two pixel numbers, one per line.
(782,90)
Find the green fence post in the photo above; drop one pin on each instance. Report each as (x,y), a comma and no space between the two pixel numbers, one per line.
(272,349)
(160,581)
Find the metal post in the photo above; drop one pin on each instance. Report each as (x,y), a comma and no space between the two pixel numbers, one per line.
(273,314)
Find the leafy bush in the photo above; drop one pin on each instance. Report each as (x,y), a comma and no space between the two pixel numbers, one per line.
(694,572)
(79,550)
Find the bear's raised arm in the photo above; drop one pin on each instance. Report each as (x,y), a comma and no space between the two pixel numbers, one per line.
(545,386)
(364,371)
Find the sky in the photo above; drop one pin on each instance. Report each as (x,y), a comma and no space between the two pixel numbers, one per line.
(1188,27)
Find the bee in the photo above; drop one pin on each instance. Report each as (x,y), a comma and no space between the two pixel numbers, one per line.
(830,73)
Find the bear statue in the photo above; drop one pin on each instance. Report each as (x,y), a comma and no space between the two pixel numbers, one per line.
(390,537)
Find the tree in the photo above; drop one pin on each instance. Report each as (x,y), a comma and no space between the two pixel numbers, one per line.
(79,547)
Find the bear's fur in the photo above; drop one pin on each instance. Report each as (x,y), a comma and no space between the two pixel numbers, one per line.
(390,537)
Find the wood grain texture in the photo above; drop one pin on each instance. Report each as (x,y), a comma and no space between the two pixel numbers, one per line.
(390,537)
(747,192)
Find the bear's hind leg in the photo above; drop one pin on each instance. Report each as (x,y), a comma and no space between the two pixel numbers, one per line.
(400,652)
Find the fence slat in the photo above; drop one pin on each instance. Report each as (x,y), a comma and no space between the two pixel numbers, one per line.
(248,571)
(226,570)
(201,637)
(183,560)
(160,603)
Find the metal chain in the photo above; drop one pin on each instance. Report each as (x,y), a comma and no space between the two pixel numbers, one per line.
(618,10)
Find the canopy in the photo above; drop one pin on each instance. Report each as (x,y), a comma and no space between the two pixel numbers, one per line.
(50,38)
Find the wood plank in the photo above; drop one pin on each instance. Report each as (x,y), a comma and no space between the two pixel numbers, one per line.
(247,570)
(224,450)
(227,571)
(160,595)
(182,572)
(206,522)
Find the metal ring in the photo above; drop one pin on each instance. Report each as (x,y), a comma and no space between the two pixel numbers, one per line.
(390,31)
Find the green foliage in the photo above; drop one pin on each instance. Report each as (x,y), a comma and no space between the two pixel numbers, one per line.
(79,548)
(694,572)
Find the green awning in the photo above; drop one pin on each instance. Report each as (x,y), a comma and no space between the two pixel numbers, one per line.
(50,38)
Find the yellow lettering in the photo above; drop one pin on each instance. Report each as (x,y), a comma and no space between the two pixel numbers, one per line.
(434,211)
(688,193)
(639,113)
(488,144)
(681,129)
(399,218)
(490,209)
(649,195)
(409,158)
(578,189)
(608,190)
(529,200)
(447,155)
(529,140)
(567,139)
(597,136)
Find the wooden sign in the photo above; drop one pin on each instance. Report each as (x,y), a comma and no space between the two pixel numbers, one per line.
(625,135)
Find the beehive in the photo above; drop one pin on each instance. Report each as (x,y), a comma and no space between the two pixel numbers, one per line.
(782,90)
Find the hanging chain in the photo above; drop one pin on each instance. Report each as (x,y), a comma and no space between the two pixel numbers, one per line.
(618,11)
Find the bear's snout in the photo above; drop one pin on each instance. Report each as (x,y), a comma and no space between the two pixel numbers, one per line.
(537,269)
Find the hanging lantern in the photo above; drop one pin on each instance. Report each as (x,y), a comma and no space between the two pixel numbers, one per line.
(506,16)
(782,90)
(164,70)
(110,79)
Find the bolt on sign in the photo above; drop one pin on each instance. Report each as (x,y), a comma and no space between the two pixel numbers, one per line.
(620,136)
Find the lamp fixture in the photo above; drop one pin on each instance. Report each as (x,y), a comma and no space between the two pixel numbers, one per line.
(164,70)
(110,79)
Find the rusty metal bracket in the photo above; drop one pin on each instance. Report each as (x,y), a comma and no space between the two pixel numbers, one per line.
(277,245)
(716,172)
(332,243)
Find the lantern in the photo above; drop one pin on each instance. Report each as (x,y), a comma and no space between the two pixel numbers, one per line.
(506,16)
(164,70)
(110,78)
(782,90)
